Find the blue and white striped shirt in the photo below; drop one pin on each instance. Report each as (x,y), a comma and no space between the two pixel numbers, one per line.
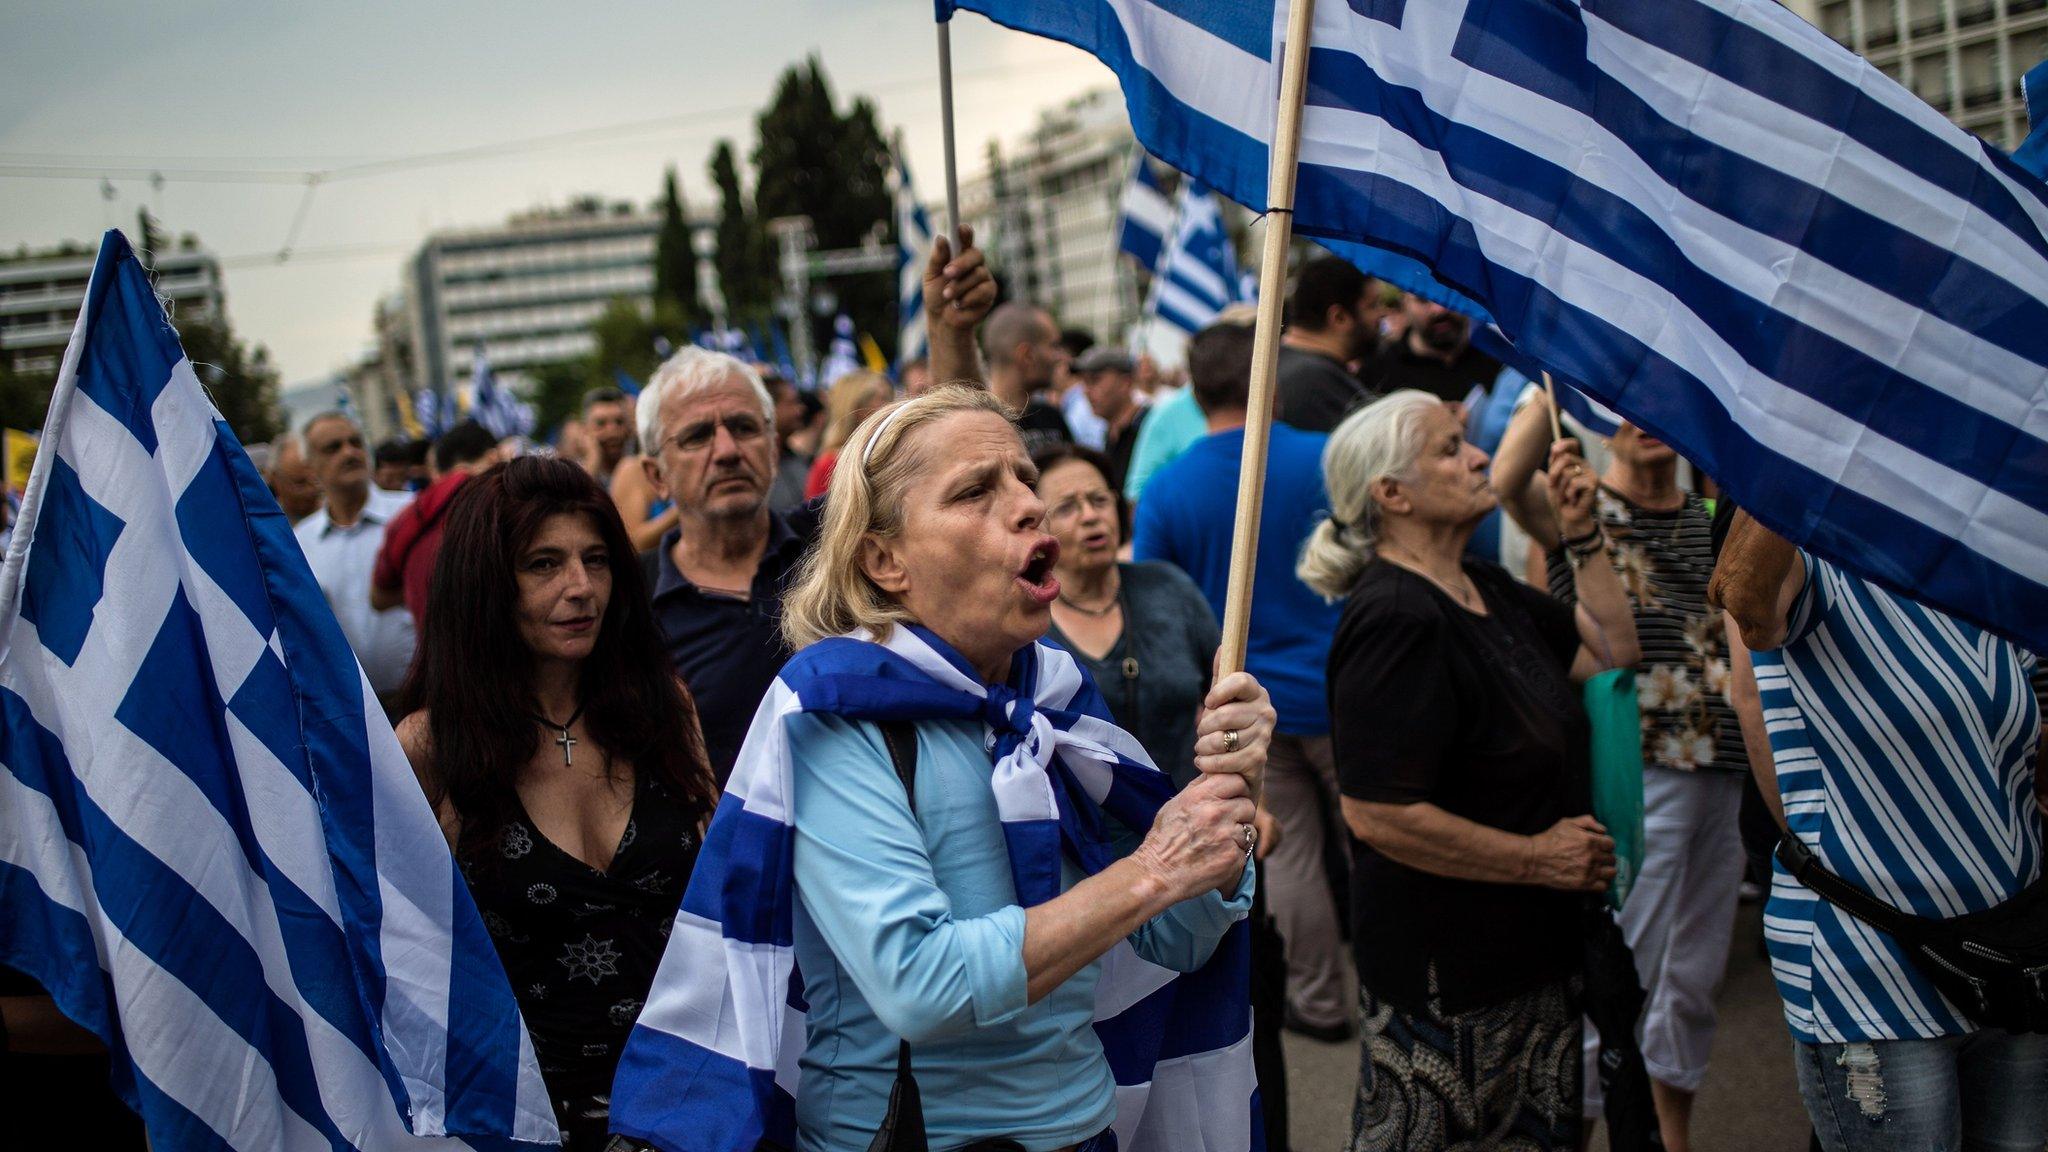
(1905,744)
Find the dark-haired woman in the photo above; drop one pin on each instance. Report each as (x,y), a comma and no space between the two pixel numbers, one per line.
(563,758)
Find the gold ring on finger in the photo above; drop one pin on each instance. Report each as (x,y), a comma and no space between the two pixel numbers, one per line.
(1230,739)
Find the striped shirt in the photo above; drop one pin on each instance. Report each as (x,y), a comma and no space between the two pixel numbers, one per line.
(1664,560)
(1905,743)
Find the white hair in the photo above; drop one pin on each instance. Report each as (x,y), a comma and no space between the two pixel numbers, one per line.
(1382,439)
(690,371)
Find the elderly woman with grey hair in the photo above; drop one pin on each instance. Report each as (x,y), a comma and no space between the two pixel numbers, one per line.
(958,834)
(1461,753)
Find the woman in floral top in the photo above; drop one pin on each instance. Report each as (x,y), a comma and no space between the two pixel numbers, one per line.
(1680,913)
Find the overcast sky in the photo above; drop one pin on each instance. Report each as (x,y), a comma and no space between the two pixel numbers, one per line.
(293,86)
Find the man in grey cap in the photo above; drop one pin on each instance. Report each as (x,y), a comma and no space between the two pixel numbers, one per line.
(1107,376)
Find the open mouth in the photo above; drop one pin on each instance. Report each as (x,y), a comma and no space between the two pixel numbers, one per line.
(1037,577)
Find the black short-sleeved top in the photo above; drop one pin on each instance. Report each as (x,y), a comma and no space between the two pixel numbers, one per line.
(1478,716)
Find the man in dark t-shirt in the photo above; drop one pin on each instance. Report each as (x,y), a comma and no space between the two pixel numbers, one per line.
(1024,352)
(1435,356)
(1333,320)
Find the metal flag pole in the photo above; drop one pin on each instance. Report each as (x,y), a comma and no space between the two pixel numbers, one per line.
(1258,426)
(945,14)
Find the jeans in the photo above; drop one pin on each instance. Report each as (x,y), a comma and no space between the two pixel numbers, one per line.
(1984,1092)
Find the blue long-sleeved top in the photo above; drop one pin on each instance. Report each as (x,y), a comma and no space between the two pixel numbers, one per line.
(909,926)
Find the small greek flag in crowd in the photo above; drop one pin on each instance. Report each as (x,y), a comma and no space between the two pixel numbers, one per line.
(712,1062)
(426,407)
(844,355)
(2032,153)
(1145,218)
(913,248)
(497,409)
(212,851)
(1705,213)
(625,381)
(1198,278)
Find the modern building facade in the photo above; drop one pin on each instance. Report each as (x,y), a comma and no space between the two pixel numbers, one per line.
(40,297)
(526,292)
(1046,209)
(1964,57)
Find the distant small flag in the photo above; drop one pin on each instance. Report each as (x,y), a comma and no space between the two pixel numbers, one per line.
(625,381)
(426,406)
(1145,218)
(913,248)
(1198,279)
(844,356)
(871,355)
(20,451)
(497,409)
(2032,154)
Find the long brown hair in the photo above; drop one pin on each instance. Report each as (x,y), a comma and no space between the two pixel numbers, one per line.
(474,674)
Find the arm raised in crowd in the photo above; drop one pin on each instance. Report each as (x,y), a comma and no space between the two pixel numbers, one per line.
(958,293)
(1606,622)
(1516,466)
(1755,581)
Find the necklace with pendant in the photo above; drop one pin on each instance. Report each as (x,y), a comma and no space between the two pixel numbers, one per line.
(562,738)
(1114,599)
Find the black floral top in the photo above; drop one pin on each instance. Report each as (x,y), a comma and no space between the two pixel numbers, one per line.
(580,945)
(1664,560)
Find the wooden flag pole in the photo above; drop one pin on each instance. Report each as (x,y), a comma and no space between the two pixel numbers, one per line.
(1258,425)
(946,129)
(1556,424)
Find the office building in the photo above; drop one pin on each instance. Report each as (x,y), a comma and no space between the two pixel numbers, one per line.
(1964,57)
(526,291)
(40,295)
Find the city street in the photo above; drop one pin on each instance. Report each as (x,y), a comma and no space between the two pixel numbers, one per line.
(1750,1101)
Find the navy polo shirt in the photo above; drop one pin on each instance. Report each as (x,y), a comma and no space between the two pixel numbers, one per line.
(728,650)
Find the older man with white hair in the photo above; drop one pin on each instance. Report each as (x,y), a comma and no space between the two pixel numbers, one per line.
(707,431)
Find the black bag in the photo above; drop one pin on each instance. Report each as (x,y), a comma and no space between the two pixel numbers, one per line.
(1614,1003)
(1992,965)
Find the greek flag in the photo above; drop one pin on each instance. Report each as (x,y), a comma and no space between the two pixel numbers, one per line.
(712,1062)
(1145,217)
(913,248)
(212,851)
(844,355)
(1704,213)
(426,407)
(500,412)
(2032,153)
(1198,279)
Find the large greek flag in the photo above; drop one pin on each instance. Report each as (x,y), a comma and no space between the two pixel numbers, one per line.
(712,1062)
(913,248)
(212,851)
(1705,213)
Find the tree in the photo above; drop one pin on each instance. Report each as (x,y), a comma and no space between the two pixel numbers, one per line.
(812,161)
(675,262)
(24,398)
(242,381)
(557,390)
(745,262)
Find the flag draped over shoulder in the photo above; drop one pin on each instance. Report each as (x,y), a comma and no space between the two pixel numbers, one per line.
(1704,213)
(213,853)
(712,1062)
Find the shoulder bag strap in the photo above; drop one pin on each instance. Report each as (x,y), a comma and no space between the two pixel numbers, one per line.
(1799,860)
(902,1128)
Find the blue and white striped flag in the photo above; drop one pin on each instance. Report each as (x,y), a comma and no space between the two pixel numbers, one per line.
(500,412)
(2032,154)
(712,1062)
(212,850)
(1145,217)
(426,408)
(1708,215)
(844,355)
(913,248)
(1198,278)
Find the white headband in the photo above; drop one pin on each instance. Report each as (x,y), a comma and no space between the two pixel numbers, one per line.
(867,450)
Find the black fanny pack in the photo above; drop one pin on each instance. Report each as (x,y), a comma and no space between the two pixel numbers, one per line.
(1992,965)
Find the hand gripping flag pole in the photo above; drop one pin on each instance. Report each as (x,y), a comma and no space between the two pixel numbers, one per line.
(1258,426)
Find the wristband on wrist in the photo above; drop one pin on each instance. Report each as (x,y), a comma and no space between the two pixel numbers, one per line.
(1577,542)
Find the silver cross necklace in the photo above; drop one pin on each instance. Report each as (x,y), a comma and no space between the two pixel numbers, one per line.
(562,737)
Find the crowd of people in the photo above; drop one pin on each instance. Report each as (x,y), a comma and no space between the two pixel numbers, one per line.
(574,644)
